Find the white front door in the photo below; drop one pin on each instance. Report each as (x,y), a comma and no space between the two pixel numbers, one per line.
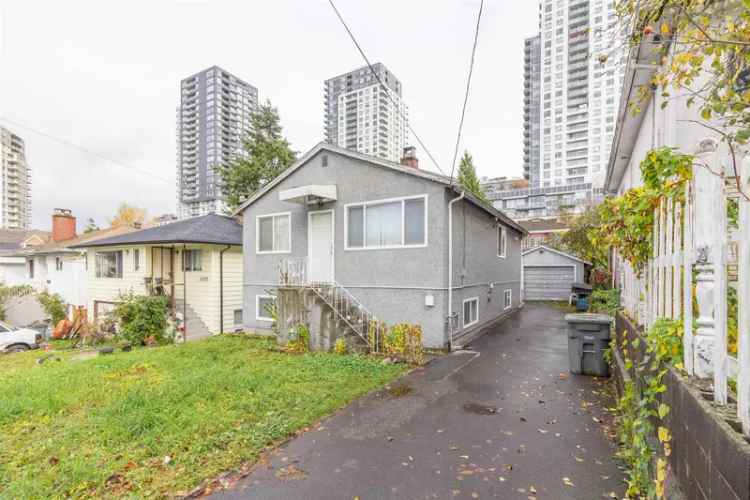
(320,246)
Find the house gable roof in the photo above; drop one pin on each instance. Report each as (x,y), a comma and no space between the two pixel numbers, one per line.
(52,247)
(379,162)
(207,229)
(558,252)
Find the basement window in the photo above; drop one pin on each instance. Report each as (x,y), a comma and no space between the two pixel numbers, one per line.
(471,311)
(265,306)
(238,317)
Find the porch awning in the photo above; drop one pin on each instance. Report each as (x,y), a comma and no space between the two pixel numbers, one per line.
(308,195)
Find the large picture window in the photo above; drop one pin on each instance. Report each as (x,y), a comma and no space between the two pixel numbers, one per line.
(394,223)
(109,264)
(471,311)
(273,233)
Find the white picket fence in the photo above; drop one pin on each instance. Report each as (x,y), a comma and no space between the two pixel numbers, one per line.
(692,247)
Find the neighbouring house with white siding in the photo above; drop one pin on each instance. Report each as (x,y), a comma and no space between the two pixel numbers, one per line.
(196,263)
(55,266)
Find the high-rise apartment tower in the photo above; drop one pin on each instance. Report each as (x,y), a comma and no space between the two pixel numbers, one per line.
(360,115)
(15,210)
(532,82)
(212,121)
(581,79)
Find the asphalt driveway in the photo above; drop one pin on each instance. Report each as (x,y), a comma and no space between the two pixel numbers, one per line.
(503,420)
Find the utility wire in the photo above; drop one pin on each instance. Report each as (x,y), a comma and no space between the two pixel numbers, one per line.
(387,90)
(87,151)
(468,85)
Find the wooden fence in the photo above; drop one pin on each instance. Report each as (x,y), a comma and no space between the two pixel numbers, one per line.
(698,259)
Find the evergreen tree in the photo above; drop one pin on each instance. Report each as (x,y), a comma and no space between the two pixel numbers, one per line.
(267,154)
(467,177)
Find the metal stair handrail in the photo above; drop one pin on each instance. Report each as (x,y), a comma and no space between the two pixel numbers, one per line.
(293,272)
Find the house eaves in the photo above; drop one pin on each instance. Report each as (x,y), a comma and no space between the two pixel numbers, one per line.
(558,252)
(430,176)
(642,63)
(210,229)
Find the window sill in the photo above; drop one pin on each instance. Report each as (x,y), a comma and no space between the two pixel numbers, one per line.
(271,252)
(390,247)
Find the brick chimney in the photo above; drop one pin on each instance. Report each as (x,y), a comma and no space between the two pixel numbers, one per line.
(409,158)
(63,224)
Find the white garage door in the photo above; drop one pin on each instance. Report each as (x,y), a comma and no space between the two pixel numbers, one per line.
(548,282)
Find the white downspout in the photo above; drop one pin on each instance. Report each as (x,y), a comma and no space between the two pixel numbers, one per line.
(450,268)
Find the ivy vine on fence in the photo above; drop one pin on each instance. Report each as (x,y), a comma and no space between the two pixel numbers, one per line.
(627,221)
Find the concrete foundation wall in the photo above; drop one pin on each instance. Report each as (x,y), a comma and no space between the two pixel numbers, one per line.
(710,459)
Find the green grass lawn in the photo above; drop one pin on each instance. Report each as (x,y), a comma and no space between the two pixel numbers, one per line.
(103,426)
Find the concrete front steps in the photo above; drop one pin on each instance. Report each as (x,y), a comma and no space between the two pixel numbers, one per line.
(194,325)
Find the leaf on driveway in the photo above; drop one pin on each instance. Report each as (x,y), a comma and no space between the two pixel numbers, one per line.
(567,481)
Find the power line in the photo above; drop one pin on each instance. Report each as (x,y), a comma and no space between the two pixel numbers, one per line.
(85,150)
(387,90)
(468,85)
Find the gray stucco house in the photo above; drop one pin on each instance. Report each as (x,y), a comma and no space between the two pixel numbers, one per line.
(374,234)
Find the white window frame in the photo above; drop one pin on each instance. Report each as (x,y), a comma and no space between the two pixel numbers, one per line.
(273,233)
(136,259)
(365,204)
(258,316)
(463,311)
(98,268)
(189,267)
(508,297)
(502,236)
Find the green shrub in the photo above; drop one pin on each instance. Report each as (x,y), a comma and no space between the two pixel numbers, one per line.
(340,346)
(54,306)
(605,301)
(405,340)
(141,317)
(300,341)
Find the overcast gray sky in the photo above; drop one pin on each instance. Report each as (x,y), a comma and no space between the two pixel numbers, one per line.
(105,75)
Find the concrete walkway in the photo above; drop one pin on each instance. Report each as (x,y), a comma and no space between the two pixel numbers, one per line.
(504,421)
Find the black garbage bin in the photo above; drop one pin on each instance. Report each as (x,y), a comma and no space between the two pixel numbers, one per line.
(588,339)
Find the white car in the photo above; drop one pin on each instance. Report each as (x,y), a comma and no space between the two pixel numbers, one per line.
(18,339)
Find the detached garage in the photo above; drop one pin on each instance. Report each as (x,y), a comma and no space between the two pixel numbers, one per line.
(548,274)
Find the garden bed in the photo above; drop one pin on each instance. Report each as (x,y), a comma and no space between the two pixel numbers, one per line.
(159,421)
